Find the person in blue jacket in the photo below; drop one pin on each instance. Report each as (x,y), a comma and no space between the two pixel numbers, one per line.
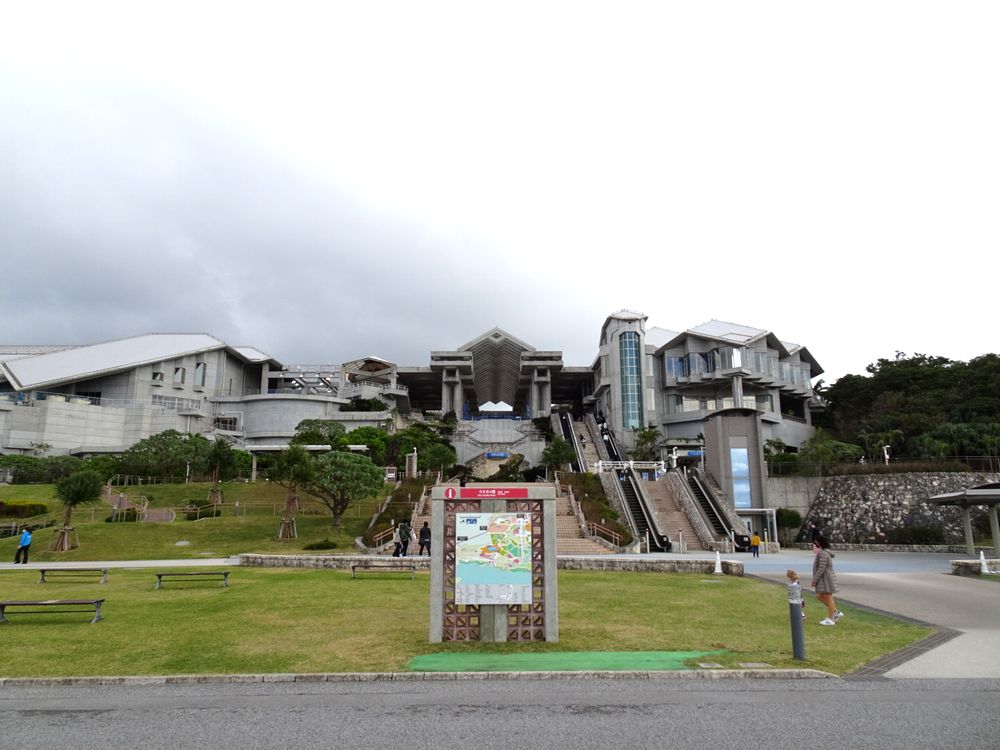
(24,545)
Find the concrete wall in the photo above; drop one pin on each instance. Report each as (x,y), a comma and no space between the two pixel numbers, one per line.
(797,493)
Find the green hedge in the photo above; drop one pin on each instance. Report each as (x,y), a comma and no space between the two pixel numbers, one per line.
(22,508)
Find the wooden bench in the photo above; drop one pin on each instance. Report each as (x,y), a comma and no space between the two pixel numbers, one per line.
(75,603)
(201,575)
(385,566)
(73,572)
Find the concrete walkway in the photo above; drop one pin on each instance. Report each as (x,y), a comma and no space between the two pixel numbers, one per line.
(917,586)
(195,563)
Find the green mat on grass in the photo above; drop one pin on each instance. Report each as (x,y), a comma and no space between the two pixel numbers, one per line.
(557,661)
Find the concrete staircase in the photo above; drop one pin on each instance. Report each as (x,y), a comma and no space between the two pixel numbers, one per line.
(675,518)
(569,539)
(590,454)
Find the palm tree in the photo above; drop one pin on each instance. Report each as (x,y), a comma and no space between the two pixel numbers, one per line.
(81,488)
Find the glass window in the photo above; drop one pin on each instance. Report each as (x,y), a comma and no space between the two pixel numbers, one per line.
(740,460)
(157,377)
(630,358)
(178,376)
(675,367)
(199,373)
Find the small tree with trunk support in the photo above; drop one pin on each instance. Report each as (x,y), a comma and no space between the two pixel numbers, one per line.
(293,467)
(81,488)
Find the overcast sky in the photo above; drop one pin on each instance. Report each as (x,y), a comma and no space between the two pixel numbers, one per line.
(334,180)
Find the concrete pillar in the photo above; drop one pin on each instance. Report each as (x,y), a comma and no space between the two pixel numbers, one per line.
(737,391)
(253,467)
(265,370)
(995,531)
(970,546)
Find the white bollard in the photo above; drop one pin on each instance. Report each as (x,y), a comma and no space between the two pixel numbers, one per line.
(718,564)
(983,567)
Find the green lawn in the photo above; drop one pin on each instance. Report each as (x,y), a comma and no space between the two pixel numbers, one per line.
(249,522)
(281,620)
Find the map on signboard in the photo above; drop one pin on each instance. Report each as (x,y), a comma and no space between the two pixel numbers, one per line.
(492,558)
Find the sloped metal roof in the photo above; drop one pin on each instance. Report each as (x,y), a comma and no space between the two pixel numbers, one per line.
(82,362)
(720,329)
(657,336)
(251,354)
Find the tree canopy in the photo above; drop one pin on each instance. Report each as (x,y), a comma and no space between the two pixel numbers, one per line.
(341,479)
(920,406)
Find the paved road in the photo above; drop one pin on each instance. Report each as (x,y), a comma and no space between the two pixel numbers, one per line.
(575,714)
(919,586)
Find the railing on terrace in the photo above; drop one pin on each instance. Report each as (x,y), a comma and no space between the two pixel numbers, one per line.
(306,390)
(171,403)
(894,466)
(349,389)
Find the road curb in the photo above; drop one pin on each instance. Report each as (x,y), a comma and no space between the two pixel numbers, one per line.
(249,679)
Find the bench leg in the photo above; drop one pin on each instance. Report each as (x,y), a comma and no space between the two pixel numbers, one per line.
(104,575)
(2,618)
(225,580)
(97,613)
(159,583)
(41,579)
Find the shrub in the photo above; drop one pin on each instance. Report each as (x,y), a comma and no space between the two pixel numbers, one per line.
(22,508)
(322,544)
(916,535)
(123,516)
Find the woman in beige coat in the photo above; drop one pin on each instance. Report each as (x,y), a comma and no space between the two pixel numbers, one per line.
(824,580)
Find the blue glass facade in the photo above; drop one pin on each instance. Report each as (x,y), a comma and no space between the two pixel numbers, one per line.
(630,360)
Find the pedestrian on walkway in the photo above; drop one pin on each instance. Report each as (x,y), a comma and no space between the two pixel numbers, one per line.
(24,544)
(425,540)
(755,544)
(405,535)
(396,543)
(824,580)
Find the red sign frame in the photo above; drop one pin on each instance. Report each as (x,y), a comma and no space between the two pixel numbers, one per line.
(486,493)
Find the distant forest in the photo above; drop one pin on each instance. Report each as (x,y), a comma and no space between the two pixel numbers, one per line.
(922,407)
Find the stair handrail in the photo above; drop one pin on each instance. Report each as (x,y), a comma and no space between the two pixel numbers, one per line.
(610,535)
(653,521)
(687,504)
(725,522)
(657,523)
(716,493)
(613,491)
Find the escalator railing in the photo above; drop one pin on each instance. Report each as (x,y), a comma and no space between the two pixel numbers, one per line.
(716,516)
(566,424)
(644,520)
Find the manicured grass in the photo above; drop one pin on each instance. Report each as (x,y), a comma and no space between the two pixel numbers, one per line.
(279,620)
(254,529)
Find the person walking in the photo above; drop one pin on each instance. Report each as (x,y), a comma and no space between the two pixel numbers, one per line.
(824,580)
(425,540)
(396,544)
(405,534)
(24,544)
(755,544)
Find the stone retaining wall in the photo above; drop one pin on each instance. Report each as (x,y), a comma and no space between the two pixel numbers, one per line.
(974,567)
(862,509)
(338,562)
(630,565)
